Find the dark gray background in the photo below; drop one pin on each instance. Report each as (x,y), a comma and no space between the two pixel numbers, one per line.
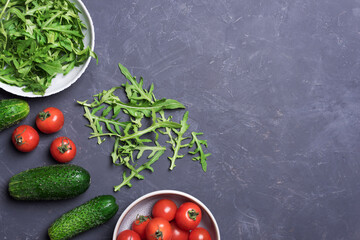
(274,86)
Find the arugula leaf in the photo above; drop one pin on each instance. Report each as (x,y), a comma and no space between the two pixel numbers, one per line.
(178,140)
(131,152)
(40,39)
(199,149)
(135,90)
(135,172)
(152,128)
(51,67)
(112,125)
(167,130)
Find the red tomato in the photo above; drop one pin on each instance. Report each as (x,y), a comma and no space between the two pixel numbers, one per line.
(139,225)
(50,120)
(178,233)
(164,208)
(188,216)
(25,138)
(128,235)
(63,149)
(199,234)
(158,229)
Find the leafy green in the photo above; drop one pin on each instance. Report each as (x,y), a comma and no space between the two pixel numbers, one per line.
(133,140)
(135,90)
(178,140)
(199,150)
(38,40)
(135,172)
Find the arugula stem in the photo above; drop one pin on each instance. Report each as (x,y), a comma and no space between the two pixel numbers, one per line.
(91,121)
(177,143)
(6,5)
(176,150)
(105,134)
(150,129)
(131,106)
(168,130)
(121,124)
(147,165)
(139,133)
(172,160)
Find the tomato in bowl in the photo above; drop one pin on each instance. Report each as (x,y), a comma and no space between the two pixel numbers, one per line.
(144,205)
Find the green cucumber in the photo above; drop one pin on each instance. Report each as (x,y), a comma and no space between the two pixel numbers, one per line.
(53,182)
(12,111)
(91,214)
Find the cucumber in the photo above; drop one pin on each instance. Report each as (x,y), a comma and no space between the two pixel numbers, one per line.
(91,214)
(49,183)
(12,111)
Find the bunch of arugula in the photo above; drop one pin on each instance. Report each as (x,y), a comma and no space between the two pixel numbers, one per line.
(38,40)
(132,139)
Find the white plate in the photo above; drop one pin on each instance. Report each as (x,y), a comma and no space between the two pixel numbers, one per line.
(144,204)
(61,82)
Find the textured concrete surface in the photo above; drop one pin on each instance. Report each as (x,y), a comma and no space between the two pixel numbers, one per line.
(274,86)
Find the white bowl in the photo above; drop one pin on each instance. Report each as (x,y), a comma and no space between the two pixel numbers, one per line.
(61,82)
(144,204)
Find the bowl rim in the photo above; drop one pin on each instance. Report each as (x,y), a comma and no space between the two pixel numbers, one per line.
(91,30)
(159,192)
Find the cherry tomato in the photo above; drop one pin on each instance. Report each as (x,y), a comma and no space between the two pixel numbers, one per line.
(128,235)
(164,208)
(199,234)
(188,216)
(158,229)
(63,149)
(178,233)
(139,225)
(25,138)
(50,120)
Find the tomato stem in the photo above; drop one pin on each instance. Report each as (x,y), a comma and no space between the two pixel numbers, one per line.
(140,219)
(193,214)
(44,115)
(159,234)
(19,139)
(64,147)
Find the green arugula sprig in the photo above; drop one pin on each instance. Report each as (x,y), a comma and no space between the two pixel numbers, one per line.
(199,149)
(38,40)
(132,140)
(135,172)
(178,140)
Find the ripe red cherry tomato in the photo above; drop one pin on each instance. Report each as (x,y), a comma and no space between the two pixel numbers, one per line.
(25,138)
(199,234)
(139,225)
(63,149)
(188,216)
(128,235)
(158,229)
(50,120)
(178,233)
(164,208)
